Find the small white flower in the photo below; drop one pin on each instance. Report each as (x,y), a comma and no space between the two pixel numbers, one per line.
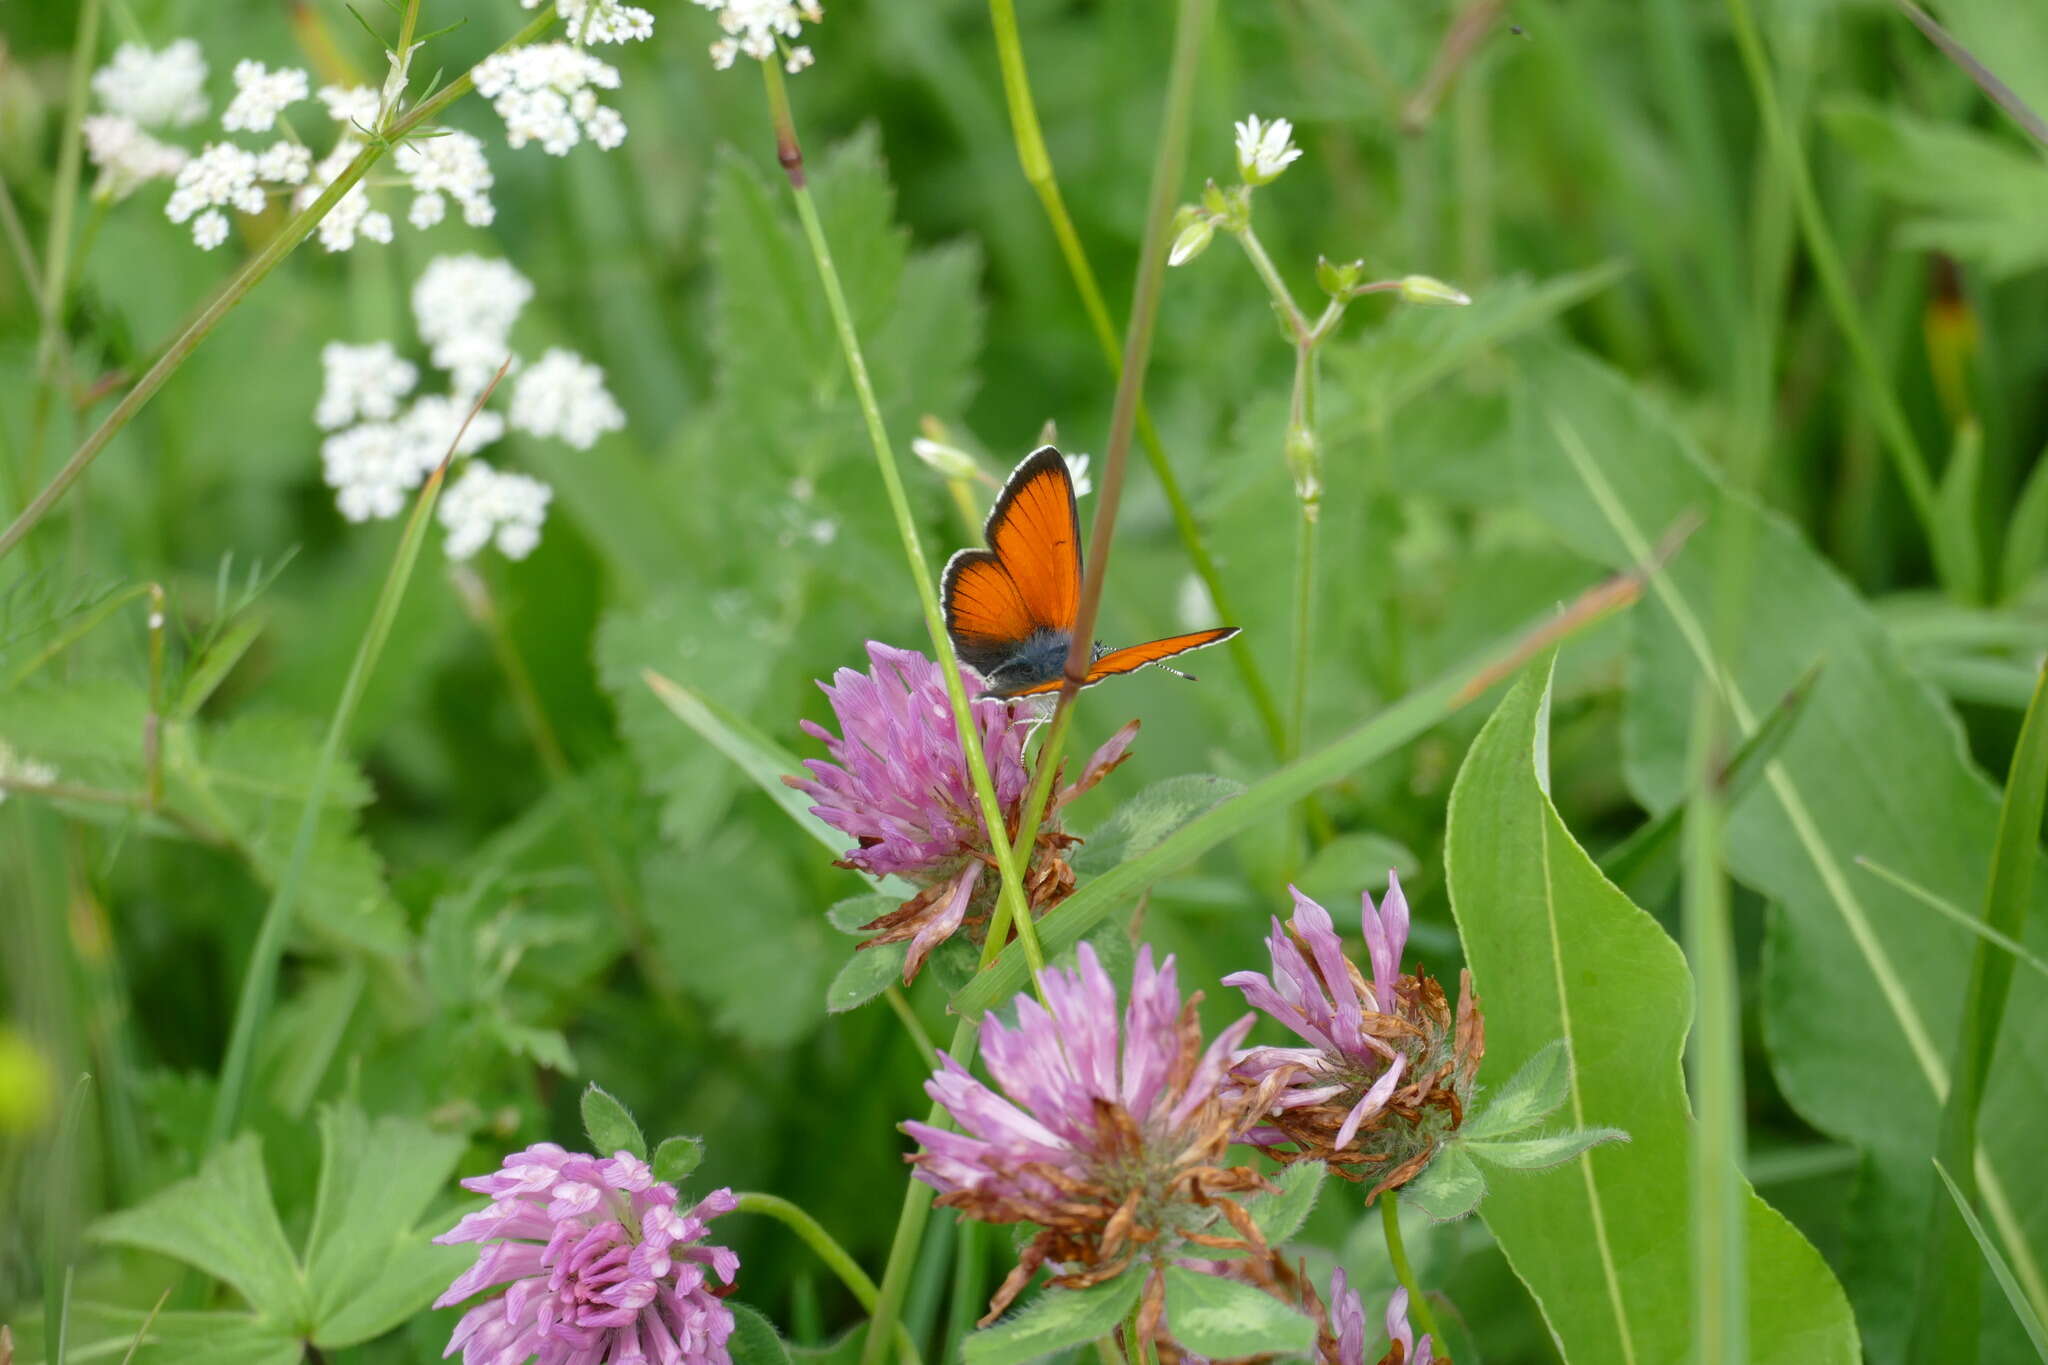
(1077,466)
(352,216)
(362,382)
(1264,149)
(352,106)
(127,157)
(753,28)
(371,470)
(430,425)
(564,395)
(611,23)
(544,93)
(286,163)
(156,89)
(19,767)
(450,163)
(486,506)
(465,306)
(261,95)
(221,176)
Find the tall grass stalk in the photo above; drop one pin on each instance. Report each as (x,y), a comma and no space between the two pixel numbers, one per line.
(1036,162)
(51,344)
(259,978)
(835,1256)
(1013,908)
(231,294)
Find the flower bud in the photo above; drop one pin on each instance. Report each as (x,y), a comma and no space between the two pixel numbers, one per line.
(1338,280)
(1423,289)
(949,460)
(1192,240)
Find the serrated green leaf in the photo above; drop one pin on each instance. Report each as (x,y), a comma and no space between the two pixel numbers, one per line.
(754,1340)
(676,1157)
(1054,1321)
(610,1126)
(1531,1095)
(1540,1153)
(222,1221)
(1280,1216)
(1450,1187)
(369,1258)
(868,973)
(1222,1319)
(541,1046)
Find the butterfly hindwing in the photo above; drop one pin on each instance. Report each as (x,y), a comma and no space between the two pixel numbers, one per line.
(985,614)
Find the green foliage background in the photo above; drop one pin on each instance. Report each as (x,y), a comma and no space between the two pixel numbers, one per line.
(481,938)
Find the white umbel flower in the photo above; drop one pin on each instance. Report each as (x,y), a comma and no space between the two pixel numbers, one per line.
(611,23)
(563,395)
(1264,149)
(127,157)
(156,89)
(465,306)
(261,95)
(222,176)
(371,468)
(362,382)
(353,217)
(752,28)
(210,229)
(352,106)
(547,93)
(486,507)
(453,164)
(430,426)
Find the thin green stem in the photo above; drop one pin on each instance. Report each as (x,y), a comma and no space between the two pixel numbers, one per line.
(64,196)
(232,294)
(1886,410)
(1038,172)
(1269,275)
(259,978)
(1169,164)
(1397,1252)
(1304,616)
(789,152)
(152,729)
(828,1250)
(900,1003)
(1134,1347)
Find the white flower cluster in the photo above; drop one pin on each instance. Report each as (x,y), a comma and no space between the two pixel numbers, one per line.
(757,28)
(141,88)
(380,451)
(547,93)
(18,767)
(601,21)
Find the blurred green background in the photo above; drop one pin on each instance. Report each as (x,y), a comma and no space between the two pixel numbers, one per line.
(1594,171)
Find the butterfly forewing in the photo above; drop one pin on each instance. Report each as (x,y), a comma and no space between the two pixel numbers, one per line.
(1133,657)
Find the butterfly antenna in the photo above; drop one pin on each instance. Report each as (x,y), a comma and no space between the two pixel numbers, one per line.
(1184,677)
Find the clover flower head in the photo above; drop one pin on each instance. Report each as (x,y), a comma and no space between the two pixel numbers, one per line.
(127,157)
(1109,1133)
(758,29)
(489,507)
(599,1263)
(1264,149)
(601,21)
(154,89)
(261,95)
(1388,1070)
(896,778)
(563,395)
(547,93)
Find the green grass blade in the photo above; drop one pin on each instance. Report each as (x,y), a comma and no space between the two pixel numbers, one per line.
(1384,733)
(259,978)
(1956,914)
(1947,1324)
(2000,1271)
(1996,90)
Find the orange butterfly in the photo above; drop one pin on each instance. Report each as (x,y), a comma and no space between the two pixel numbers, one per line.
(1010,608)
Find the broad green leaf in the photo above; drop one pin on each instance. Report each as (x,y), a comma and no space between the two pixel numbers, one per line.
(1556,951)
(107,1334)
(1854,974)
(610,1127)
(754,1339)
(676,1157)
(1137,826)
(2014,1295)
(370,1259)
(1957,916)
(1531,1095)
(1222,1319)
(1078,916)
(867,973)
(1280,1216)
(1450,1187)
(1540,1153)
(222,1221)
(1055,1320)
(849,915)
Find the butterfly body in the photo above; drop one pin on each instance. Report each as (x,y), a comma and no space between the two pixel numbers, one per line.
(1011,609)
